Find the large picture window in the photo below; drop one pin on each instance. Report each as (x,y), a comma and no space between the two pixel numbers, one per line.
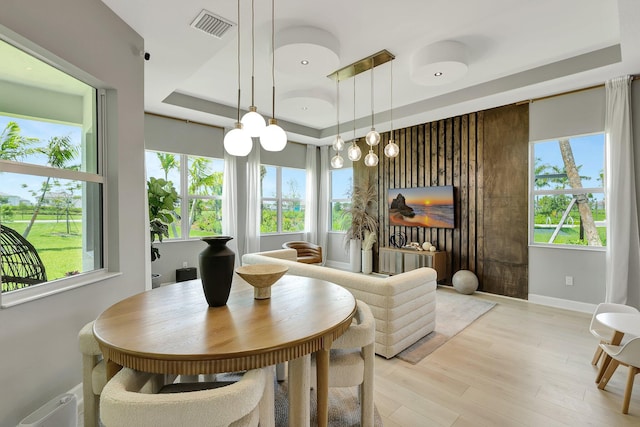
(198,182)
(51,175)
(568,203)
(341,184)
(283,194)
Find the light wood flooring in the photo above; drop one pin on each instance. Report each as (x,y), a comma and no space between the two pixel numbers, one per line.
(521,364)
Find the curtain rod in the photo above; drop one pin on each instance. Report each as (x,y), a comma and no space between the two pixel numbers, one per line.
(569,92)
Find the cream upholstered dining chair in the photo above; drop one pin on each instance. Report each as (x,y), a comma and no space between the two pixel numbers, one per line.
(139,399)
(627,355)
(351,361)
(603,333)
(94,375)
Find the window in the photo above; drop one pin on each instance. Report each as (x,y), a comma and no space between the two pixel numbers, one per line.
(341,183)
(568,203)
(51,182)
(198,182)
(283,195)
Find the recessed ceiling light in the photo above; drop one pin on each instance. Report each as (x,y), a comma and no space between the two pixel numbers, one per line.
(314,100)
(307,50)
(439,63)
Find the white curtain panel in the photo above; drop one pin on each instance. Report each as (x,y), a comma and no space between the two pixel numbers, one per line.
(230,204)
(311,201)
(623,245)
(323,201)
(252,236)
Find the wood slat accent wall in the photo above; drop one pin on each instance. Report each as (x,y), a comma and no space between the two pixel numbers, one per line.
(484,156)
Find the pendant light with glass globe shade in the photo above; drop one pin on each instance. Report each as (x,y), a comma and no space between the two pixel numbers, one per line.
(237,141)
(273,137)
(373,137)
(338,144)
(371,159)
(391,150)
(353,152)
(252,121)
(337,161)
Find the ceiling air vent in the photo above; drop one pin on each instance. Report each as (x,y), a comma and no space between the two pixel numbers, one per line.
(211,24)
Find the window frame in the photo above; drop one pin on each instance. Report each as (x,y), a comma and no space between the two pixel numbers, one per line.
(183,193)
(332,200)
(533,193)
(279,201)
(55,286)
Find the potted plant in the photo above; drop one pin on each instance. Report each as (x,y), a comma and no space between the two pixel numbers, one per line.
(162,198)
(363,201)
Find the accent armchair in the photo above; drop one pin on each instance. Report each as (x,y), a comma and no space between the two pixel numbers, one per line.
(307,252)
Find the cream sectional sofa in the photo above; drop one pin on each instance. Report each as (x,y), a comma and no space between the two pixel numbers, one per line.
(403,305)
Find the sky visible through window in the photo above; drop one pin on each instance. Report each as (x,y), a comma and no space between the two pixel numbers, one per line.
(588,152)
(153,168)
(293,182)
(341,183)
(21,185)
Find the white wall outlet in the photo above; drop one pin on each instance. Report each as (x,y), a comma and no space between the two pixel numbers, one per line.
(568,280)
(185,264)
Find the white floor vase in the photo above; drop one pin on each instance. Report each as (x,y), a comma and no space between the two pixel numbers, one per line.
(355,256)
(367,261)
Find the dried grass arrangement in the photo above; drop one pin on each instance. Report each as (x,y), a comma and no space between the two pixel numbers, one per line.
(364,199)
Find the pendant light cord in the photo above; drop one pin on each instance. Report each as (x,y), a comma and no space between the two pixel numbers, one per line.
(338,102)
(391,101)
(273,60)
(253,55)
(372,66)
(354,109)
(238,62)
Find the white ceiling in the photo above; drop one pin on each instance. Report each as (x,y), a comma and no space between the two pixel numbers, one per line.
(517,50)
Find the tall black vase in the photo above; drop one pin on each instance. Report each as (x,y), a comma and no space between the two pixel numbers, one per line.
(216,270)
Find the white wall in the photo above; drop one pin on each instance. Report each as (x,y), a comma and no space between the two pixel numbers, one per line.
(39,356)
(337,255)
(548,269)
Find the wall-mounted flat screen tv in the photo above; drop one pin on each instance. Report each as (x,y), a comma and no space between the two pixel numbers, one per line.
(421,207)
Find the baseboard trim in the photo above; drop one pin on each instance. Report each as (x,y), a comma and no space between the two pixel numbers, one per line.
(77,390)
(338,265)
(566,304)
(582,307)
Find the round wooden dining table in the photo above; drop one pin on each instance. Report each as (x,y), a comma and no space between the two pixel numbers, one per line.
(172,330)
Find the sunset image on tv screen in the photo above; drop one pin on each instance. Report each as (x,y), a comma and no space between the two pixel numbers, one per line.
(421,207)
